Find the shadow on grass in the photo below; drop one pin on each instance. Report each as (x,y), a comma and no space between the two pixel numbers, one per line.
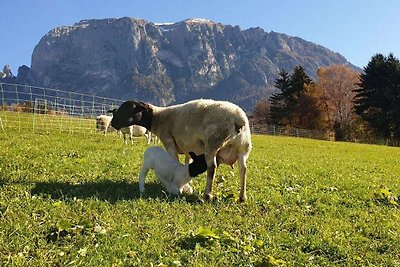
(111,191)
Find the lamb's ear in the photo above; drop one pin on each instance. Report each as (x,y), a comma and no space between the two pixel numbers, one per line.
(192,155)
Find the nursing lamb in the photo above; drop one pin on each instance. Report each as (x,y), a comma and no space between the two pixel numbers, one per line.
(218,129)
(174,175)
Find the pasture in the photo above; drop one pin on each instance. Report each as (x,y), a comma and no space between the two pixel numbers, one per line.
(72,199)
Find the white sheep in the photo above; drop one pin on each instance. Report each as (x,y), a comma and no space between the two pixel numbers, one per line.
(173,175)
(218,129)
(135,131)
(103,123)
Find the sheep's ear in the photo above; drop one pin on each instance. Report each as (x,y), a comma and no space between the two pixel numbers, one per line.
(112,111)
(145,106)
(192,155)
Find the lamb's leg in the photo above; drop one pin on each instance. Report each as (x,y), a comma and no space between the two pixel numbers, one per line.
(242,158)
(142,178)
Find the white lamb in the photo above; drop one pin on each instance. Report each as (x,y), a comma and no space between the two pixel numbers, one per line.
(173,175)
(218,129)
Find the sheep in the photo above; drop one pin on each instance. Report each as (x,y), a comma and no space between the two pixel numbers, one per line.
(135,130)
(173,175)
(103,123)
(218,129)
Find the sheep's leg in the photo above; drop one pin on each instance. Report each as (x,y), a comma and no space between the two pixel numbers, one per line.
(172,150)
(242,158)
(211,166)
(142,178)
(124,138)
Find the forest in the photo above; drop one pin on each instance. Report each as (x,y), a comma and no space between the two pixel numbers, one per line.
(363,107)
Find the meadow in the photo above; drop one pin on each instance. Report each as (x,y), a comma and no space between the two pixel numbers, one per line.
(72,199)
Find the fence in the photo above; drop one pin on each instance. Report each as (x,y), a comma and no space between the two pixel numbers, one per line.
(289,131)
(34,108)
(40,109)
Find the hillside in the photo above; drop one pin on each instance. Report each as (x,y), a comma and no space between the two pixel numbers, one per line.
(129,58)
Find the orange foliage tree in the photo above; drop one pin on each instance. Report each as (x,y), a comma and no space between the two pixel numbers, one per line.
(335,85)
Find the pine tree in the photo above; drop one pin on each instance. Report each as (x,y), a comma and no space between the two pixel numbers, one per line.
(278,109)
(377,99)
(295,104)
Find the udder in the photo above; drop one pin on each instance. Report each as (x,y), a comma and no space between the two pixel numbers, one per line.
(227,155)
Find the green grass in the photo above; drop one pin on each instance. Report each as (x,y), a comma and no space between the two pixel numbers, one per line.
(72,200)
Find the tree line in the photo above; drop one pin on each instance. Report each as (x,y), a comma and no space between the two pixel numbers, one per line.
(353,106)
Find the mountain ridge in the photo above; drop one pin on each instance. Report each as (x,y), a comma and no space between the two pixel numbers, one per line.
(167,63)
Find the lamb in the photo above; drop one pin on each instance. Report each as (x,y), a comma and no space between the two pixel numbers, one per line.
(174,175)
(218,129)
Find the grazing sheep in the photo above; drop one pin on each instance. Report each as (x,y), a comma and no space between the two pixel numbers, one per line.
(218,129)
(174,175)
(103,123)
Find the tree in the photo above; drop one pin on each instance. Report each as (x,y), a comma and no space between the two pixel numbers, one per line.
(296,103)
(377,98)
(260,113)
(278,108)
(336,84)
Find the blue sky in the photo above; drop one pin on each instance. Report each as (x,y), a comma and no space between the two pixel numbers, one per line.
(357,29)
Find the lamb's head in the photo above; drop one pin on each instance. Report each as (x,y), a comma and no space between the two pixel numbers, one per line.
(130,113)
(198,166)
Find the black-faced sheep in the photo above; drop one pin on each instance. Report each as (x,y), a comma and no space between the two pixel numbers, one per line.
(218,129)
(174,175)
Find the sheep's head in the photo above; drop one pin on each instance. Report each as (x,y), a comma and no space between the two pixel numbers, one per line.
(130,113)
(198,166)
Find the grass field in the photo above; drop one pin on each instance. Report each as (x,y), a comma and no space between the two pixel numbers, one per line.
(73,200)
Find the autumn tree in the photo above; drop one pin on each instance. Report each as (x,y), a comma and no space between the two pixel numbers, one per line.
(260,114)
(335,85)
(377,98)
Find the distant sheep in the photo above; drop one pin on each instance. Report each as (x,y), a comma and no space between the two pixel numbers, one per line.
(103,123)
(218,129)
(173,175)
(135,131)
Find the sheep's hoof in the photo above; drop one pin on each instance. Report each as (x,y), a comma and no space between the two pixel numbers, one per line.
(242,199)
(208,197)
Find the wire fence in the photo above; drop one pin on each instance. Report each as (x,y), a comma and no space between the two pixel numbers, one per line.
(38,109)
(34,108)
(290,131)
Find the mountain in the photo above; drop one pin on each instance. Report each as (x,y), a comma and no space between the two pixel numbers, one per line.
(128,58)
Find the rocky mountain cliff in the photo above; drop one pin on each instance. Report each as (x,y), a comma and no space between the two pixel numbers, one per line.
(129,58)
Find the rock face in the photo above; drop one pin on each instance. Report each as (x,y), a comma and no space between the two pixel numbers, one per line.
(129,58)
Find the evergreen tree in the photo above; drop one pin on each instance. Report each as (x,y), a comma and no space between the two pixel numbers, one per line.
(294,104)
(278,111)
(377,99)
